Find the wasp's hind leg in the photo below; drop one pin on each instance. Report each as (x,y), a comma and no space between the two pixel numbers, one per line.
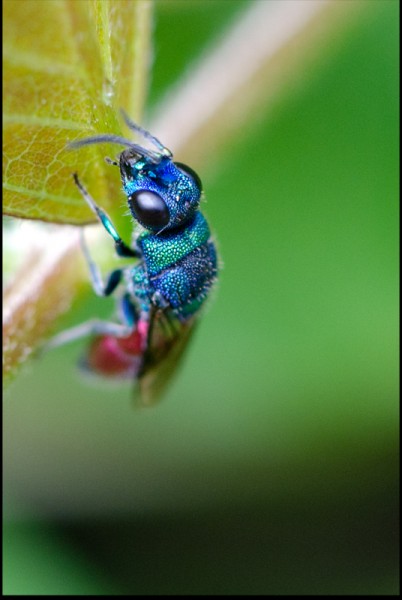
(87,329)
(95,327)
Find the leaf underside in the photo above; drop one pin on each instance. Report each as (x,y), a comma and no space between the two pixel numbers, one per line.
(68,68)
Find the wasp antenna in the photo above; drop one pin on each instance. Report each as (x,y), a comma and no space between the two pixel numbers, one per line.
(100,139)
(115,139)
(165,151)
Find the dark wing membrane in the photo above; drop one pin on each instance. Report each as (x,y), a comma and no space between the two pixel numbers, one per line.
(167,339)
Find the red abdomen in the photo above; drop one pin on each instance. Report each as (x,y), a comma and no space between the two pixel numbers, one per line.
(117,357)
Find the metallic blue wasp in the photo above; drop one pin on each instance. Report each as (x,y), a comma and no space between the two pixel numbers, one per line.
(161,295)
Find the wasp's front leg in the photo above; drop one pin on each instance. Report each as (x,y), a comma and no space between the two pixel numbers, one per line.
(121,247)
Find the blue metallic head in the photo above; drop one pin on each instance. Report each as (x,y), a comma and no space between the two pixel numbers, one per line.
(161,194)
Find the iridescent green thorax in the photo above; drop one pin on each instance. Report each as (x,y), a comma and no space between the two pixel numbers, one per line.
(166,249)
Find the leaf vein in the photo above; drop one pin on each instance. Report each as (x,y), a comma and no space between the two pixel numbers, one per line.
(44,122)
(42,195)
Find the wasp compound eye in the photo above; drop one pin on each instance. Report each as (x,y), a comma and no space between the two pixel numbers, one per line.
(190,173)
(149,208)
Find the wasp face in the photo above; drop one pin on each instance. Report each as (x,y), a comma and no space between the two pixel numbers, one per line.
(161,194)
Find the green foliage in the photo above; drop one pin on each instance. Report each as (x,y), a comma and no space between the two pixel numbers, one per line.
(68,67)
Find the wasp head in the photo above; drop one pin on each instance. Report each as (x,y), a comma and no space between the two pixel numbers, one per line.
(162,194)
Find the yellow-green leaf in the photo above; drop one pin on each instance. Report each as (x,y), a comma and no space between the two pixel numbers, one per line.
(68,67)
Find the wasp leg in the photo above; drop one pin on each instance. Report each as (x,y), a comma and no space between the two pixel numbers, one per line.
(121,248)
(129,312)
(113,279)
(89,328)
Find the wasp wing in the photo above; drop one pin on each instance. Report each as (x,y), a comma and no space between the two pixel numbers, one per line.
(168,337)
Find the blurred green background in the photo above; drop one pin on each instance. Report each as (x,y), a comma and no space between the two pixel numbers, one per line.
(271,465)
